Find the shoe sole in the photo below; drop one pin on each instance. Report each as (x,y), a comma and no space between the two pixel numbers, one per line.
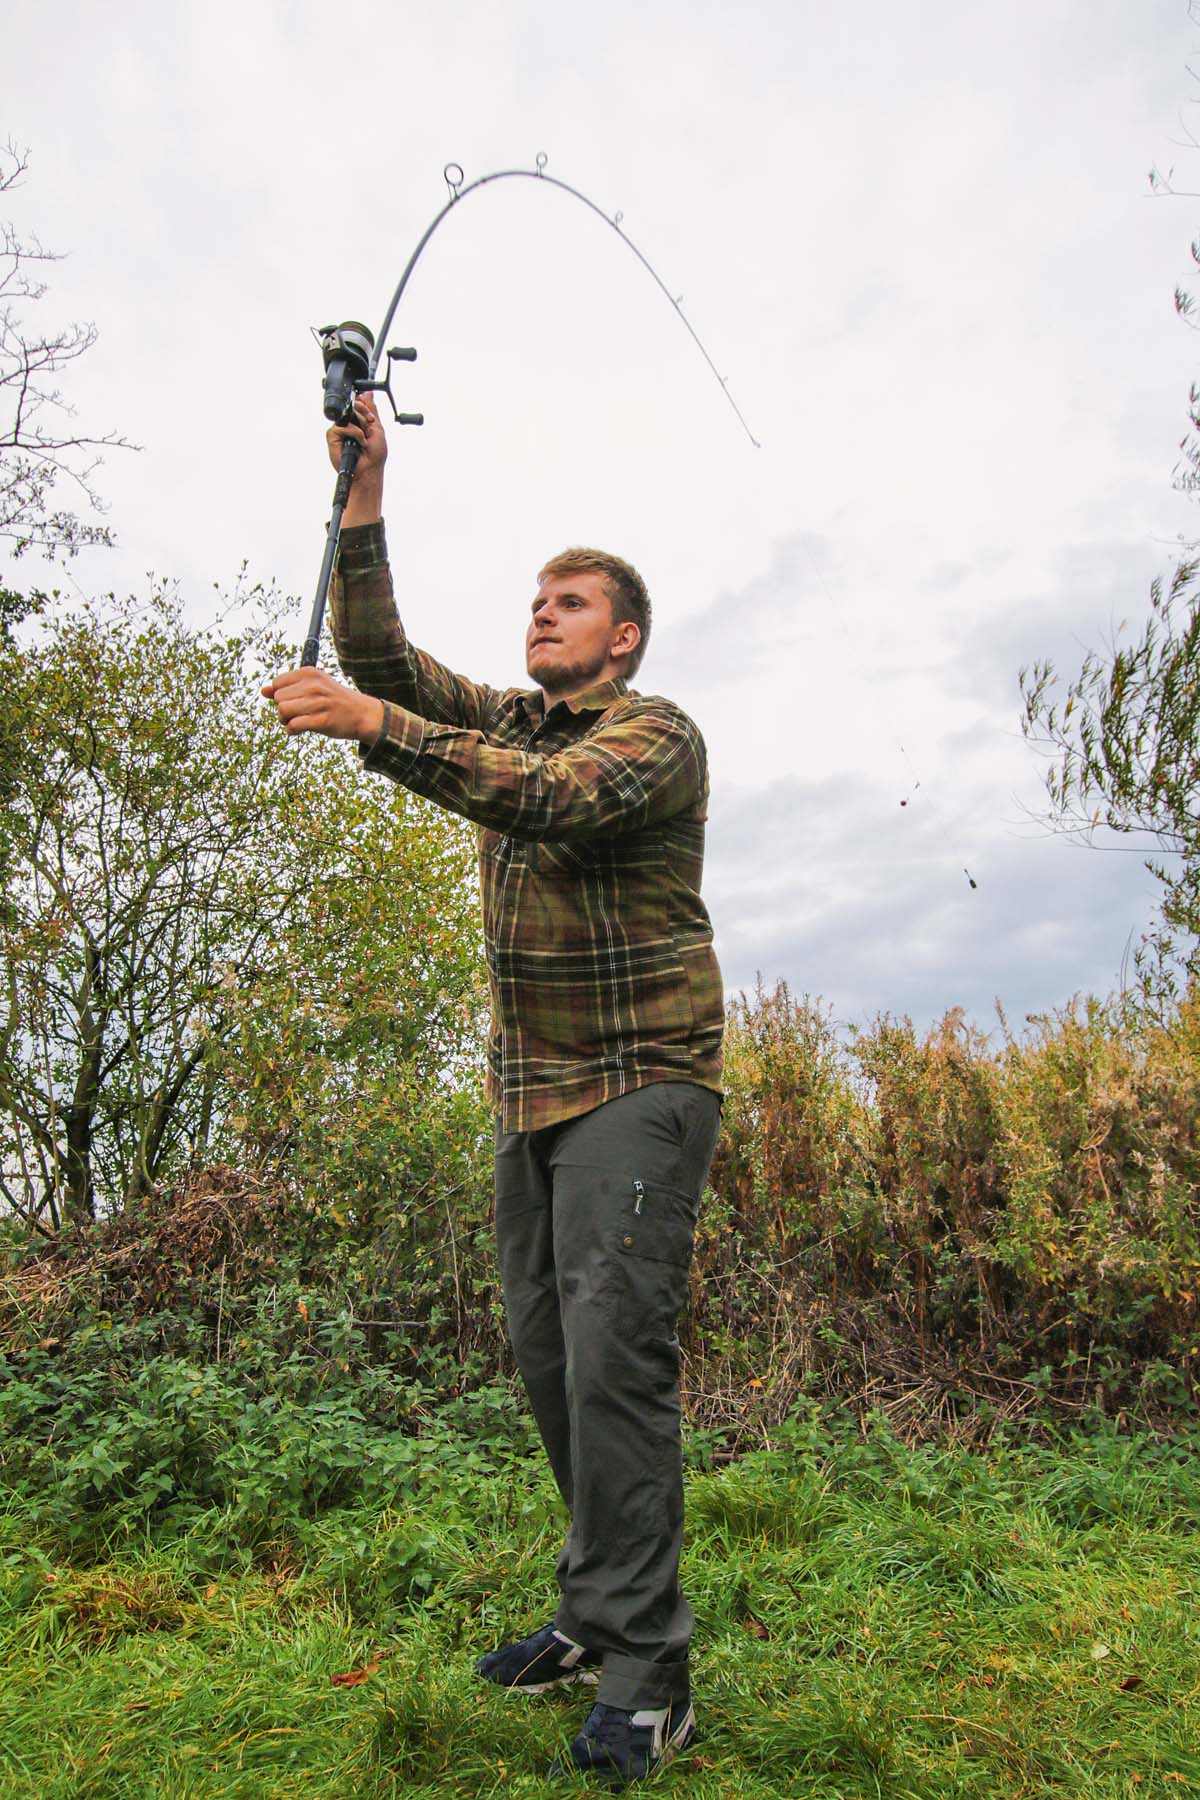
(680,1738)
(585,1678)
(582,1678)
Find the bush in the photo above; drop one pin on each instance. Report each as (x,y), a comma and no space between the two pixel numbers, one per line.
(954,1231)
(949,1233)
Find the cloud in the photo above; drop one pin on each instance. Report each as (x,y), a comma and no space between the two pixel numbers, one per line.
(832,887)
(746,628)
(1093,592)
(946,578)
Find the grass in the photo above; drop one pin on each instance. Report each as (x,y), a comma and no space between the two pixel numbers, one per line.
(872,1621)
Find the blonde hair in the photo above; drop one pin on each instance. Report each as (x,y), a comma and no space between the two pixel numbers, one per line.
(624,586)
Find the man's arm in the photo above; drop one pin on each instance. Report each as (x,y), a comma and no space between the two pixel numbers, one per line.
(365,505)
(645,764)
(370,642)
(374,651)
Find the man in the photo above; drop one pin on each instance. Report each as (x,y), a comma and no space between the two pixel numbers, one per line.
(604,1065)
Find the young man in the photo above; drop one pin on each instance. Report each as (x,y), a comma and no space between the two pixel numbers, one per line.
(604,1065)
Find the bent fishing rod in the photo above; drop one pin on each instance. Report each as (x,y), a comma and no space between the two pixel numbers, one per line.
(352,356)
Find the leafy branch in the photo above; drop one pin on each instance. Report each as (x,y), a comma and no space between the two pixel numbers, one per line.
(1125,737)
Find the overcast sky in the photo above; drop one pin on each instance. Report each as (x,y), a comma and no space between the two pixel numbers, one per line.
(919,243)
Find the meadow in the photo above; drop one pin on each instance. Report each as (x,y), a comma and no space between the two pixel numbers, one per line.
(874,1619)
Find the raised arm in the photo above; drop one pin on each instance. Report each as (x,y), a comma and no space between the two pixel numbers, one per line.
(370,641)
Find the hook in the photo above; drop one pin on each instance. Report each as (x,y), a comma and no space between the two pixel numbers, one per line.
(617,217)
(541,159)
(453,176)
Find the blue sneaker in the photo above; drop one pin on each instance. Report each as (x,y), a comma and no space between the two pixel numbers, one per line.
(545,1660)
(619,1747)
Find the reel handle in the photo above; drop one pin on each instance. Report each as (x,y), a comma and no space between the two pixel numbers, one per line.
(385,387)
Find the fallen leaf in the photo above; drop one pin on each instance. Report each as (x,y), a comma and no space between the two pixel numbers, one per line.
(755,1626)
(1099,1652)
(1130,1684)
(353,1677)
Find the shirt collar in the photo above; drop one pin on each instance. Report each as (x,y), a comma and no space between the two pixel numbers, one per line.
(593,699)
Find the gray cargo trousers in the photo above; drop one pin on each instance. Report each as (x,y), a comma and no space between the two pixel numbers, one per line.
(594,1225)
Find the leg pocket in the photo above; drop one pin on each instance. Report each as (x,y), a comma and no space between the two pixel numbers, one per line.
(650,1254)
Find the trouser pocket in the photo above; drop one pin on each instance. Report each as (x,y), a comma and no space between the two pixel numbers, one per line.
(649,1257)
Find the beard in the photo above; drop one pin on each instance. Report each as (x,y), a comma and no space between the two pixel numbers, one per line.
(570,678)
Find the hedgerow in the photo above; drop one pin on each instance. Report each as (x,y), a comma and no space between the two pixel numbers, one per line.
(951,1233)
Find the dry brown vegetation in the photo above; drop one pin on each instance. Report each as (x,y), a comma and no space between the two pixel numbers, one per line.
(946,1229)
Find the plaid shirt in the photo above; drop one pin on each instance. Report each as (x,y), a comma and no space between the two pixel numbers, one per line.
(591,843)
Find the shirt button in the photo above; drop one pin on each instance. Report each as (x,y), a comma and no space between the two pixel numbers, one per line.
(628,1243)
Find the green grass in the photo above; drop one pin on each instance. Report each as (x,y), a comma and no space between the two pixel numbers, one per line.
(872,1621)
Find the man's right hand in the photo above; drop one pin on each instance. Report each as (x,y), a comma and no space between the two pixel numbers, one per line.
(365,504)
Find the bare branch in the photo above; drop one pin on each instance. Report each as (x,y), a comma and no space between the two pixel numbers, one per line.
(40,447)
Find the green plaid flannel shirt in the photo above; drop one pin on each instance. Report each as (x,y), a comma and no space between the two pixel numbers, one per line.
(591,843)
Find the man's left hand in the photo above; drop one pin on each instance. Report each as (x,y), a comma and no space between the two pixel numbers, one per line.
(311,700)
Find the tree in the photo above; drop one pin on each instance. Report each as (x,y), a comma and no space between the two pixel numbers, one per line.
(39,445)
(1126,738)
(213,935)
(1126,734)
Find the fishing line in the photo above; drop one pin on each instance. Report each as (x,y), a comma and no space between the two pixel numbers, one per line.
(353,355)
(838,613)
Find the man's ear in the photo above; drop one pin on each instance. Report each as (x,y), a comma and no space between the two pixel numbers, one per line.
(625,638)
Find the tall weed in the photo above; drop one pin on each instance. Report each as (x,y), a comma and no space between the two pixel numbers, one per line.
(952,1230)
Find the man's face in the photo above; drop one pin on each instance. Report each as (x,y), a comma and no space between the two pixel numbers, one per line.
(570,636)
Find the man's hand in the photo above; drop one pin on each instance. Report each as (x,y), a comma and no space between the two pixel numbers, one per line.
(311,700)
(365,504)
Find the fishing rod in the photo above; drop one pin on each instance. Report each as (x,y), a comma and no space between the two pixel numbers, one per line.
(352,356)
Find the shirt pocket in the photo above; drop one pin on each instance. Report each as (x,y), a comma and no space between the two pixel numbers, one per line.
(558,860)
